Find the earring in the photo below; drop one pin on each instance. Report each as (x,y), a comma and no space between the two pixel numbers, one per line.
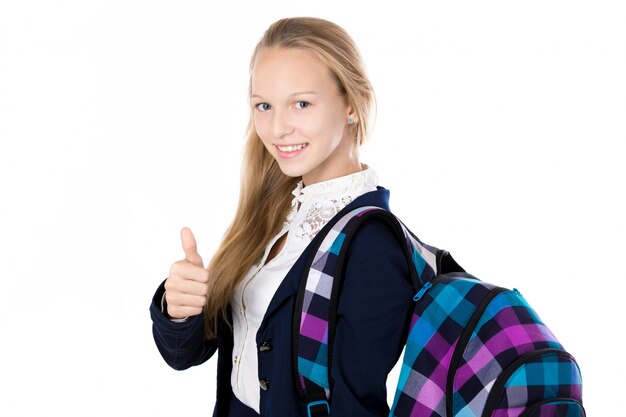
(350,121)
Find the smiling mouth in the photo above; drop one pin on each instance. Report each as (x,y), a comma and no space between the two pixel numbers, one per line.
(292,148)
(290,151)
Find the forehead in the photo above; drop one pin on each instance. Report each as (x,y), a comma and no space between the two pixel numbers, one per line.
(286,70)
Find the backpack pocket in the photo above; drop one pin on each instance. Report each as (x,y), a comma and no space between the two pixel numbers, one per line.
(542,383)
(559,407)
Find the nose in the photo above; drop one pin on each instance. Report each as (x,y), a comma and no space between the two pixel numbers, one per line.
(281,124)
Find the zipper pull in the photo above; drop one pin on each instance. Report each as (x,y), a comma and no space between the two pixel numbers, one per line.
(422,291)
(519,294)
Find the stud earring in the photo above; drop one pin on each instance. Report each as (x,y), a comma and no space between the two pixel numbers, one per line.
(350,121)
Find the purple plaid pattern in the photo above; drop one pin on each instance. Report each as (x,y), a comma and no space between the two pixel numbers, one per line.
(438,321)
(313,338)
(449,368)
(314,324)
(473,349)
(508,329)
(552,374)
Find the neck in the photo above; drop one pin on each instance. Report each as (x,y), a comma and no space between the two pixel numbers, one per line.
(345,161)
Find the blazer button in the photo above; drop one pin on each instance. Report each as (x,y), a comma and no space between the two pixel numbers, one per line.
(265,384)
(265,346)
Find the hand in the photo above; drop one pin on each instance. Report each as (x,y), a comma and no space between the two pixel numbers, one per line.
(188,282)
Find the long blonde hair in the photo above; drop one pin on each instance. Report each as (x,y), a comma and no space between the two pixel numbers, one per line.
(264,198)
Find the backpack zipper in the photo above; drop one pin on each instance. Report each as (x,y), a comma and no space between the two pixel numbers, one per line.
(429,284)
(498,386)
(464,338)
(562,400)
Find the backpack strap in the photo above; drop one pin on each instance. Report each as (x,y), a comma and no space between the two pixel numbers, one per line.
(317,298)
(446,264)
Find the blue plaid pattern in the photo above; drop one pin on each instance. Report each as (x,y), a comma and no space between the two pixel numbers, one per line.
(313,324)
(557,408)
(553,374)
(473,349)
(438,320)
(507,329)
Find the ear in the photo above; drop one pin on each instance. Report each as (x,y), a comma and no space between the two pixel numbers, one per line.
(351,113)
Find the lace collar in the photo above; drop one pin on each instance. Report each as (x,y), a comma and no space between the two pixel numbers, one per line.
(314,205)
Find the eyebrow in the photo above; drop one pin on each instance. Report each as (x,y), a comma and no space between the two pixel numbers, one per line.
(290,95)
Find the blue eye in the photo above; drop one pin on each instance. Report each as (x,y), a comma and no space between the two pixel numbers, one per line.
(304,102)
(264,106)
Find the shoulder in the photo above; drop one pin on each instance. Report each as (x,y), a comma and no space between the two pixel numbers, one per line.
(373,236)
(374,249)
(378,197)
(376,285)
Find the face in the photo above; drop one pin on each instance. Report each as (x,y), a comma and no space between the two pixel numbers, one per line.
(301,117)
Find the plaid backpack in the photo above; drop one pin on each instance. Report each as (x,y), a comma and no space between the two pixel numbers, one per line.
(473,349)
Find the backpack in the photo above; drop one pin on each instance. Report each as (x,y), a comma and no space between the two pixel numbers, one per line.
(473,349)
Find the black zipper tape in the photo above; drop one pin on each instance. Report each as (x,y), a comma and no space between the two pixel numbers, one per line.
(464,338)
(498,386)
(527,412)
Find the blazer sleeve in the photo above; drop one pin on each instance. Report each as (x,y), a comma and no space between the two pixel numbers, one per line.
(373,316)
(183,344)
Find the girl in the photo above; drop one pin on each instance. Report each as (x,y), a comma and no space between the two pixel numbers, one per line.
(310,106)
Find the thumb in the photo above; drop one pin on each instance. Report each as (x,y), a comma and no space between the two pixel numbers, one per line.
(190,248)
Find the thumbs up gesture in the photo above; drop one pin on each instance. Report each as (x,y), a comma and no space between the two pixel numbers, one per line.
(187,284)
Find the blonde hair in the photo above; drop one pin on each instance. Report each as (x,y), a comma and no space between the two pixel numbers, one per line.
(264,198)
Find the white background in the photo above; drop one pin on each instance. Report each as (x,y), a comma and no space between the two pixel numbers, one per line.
(499,133)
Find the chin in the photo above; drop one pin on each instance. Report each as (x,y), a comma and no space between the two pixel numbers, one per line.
(291,170)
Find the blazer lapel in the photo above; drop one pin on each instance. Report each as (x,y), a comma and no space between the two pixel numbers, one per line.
(289,285)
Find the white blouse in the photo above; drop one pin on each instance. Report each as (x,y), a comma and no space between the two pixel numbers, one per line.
(312,207)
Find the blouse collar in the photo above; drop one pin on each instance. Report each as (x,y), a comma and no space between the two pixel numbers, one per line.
(314,205)
(335,187)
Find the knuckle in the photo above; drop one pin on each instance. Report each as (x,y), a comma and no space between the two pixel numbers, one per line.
(205,290)
(205,275)
(173,311)
(177,266)
(173,268)
(170,284)
(169,299)
(200,301)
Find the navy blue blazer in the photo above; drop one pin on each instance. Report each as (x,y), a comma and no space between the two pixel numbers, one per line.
(372,323)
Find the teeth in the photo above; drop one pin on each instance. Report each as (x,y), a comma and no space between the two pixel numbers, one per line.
(291,148)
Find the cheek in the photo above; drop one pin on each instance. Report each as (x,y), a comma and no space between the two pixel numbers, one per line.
(262,130)
(326,127)
(333,130)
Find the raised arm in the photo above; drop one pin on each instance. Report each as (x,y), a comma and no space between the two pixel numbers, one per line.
(176,310)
